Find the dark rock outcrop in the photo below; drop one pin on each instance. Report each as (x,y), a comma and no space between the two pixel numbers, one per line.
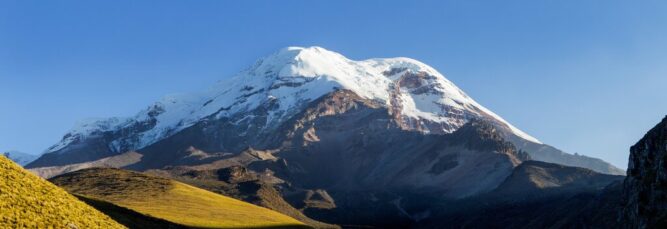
(645,188)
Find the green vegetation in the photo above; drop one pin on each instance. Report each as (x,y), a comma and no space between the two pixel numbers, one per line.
(28,201)
(170,200)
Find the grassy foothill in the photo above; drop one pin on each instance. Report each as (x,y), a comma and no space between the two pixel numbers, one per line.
(28,201)
(171,200)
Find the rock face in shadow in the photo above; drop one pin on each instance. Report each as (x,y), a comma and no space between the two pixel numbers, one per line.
(347,143)
(537,195)
(645,189)
(535,178)
(547,153)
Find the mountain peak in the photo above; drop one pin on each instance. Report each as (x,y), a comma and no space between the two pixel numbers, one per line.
(316,61)
(416,90)
(298,61)
(285,81)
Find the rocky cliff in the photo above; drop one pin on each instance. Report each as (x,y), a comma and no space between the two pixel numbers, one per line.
(645,188)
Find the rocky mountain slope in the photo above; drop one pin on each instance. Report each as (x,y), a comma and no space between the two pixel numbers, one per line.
(645,188)
(537,195)
(27,201)
(536,179)
(260,99)
(542,195)
(364,149)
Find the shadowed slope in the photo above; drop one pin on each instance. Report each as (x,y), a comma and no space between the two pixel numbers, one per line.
(536,177)
(645,188)
(538,195)
(27,201)
(128,217)
(170,200)
(241,186)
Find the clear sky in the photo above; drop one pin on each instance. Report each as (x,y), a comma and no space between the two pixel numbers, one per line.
(584,76)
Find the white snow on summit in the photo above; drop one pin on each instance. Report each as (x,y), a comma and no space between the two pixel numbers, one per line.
(292,77)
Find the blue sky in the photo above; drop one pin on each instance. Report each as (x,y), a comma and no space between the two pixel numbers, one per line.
(584,76)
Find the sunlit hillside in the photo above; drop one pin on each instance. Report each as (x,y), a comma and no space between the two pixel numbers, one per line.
(28,201)
(170,200)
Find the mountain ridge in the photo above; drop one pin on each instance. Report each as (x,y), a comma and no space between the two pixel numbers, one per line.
(19,157)
(418,97)
(324,71)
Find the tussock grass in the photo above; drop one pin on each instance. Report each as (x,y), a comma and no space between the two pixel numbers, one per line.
(128,217)
(28,201)
(171,200)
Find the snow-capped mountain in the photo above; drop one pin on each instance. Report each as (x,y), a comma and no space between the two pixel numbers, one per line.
(417,97)
(20,157)
(294,76)
(310,131)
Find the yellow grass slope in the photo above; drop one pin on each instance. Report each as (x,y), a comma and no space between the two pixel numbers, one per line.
(28,201)
(170,200)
